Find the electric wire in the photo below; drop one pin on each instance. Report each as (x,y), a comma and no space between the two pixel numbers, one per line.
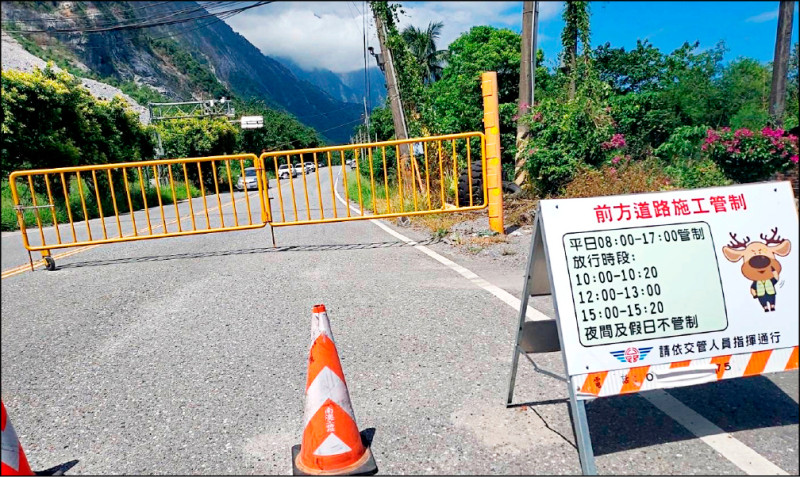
(116,21)
(161,21)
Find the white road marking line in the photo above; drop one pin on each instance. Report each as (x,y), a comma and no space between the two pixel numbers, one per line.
(503,295)
(742,456)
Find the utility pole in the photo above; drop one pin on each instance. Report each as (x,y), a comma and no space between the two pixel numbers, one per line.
(783,39)
(527,75)
(366,71)
(392,89)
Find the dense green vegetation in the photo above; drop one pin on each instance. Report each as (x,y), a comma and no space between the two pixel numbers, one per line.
(50,120)
(693,119)
(608,120)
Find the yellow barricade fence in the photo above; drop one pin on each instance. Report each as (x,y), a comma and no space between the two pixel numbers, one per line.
(89,205)
(387,179)
(120,202)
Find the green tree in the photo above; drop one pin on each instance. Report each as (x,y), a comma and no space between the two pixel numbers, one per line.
(193,137)
(50,120)
(641,69)
(744,93)
(690,86)
(455,103)
(423,46)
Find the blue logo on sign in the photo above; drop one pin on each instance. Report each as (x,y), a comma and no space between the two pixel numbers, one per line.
(631,355)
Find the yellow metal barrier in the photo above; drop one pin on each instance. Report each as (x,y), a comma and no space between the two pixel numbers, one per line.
(381,179)
(119,186)
(197,195)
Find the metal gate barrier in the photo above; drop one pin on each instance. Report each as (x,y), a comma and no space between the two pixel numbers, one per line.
(68,196)
(72,206)
(387,179)
(408,177)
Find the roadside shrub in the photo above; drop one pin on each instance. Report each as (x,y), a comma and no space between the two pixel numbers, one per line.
(695,173)
(626,177)
(683,143)
(50,120)
(645,119)
(566,135)
(751,156)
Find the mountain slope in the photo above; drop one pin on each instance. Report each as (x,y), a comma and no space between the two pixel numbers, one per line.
(15,57)
(182,61)
(347,87)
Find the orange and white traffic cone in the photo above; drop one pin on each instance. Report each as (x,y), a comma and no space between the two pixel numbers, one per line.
(331,442)
(14,461)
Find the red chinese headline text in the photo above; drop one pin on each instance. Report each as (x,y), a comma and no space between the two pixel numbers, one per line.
(666,208)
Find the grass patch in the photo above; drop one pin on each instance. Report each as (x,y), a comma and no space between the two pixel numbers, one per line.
(438,224)
(382,206)
(151,194)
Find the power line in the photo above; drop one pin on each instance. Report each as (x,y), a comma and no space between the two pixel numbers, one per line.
(150,23)
(117,21)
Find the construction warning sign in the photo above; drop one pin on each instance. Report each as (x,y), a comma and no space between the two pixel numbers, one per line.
(682,276)
(620,283)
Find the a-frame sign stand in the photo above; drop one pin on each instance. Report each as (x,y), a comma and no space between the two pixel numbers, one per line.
(646,254)
(544,336)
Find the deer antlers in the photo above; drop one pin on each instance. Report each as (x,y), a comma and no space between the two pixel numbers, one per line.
(735,243)
(775,239)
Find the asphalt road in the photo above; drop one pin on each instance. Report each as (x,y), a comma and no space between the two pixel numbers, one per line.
(188,355)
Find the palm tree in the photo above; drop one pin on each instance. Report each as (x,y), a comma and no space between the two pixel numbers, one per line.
(423,46)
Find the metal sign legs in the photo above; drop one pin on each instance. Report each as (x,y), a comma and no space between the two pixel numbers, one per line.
(543,336)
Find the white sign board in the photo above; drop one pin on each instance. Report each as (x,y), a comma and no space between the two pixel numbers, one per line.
(252,122)
(667,277)
(661,290)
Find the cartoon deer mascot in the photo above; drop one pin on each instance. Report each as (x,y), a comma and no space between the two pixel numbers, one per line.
(760,264)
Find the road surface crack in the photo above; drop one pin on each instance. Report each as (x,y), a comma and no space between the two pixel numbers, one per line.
(551,429)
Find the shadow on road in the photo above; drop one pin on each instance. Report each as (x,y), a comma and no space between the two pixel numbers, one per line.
(249,251)
(630,422)
(59,469)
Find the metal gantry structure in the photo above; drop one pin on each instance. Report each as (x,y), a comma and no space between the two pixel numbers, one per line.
(191,109)
(183,110)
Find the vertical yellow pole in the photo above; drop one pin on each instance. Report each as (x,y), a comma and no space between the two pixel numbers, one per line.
(491,124)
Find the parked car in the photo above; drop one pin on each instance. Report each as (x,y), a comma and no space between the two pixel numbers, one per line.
(248,178)
(310,167)
(284,171)
(299,168)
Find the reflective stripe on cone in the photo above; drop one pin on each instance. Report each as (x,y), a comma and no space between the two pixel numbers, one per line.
(14,461)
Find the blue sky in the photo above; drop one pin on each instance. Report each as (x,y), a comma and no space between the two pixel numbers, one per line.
(329,35)
(748,28)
